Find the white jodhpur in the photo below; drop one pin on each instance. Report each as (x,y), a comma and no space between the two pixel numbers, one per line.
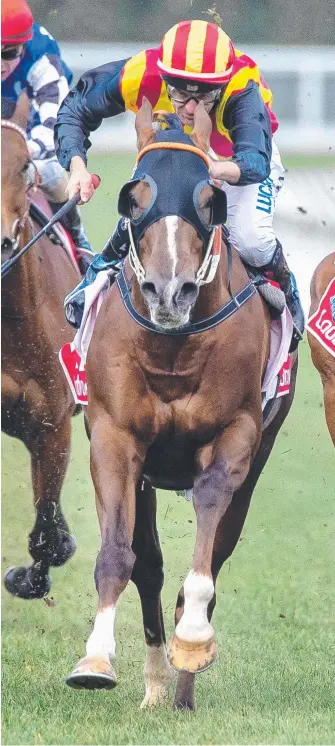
(251,211)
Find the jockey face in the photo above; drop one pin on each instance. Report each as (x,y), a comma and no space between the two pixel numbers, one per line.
(185,102)
(10,59)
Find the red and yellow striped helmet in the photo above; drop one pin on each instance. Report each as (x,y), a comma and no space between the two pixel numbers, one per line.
(197,51)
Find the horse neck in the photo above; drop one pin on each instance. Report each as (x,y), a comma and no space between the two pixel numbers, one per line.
(22,288)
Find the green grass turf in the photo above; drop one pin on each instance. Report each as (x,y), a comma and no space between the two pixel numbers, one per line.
(273,681)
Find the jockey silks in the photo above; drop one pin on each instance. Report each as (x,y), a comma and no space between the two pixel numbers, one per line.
(242,121)
(139,78)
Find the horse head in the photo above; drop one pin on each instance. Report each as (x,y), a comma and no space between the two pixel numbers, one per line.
(172,209)
(15,164)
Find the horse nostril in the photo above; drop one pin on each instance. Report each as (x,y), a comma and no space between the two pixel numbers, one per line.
(148,289)
(188,293)
(6,244)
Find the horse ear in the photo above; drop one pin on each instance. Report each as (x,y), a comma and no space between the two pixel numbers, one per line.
(202,128)
(143,125)
(22,110)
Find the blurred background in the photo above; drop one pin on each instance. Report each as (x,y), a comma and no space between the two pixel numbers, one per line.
(293,42)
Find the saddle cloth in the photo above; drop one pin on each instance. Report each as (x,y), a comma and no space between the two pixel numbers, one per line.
(276,381)
(322,323)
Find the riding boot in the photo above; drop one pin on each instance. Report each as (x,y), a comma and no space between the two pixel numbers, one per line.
(72,222)
(115,250)
(277,269)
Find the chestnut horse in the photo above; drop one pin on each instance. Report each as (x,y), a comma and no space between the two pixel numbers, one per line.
(322,359)
(174,402)
(36,403)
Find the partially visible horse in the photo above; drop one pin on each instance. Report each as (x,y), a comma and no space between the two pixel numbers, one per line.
(36,402)
(174,373)
(322,358)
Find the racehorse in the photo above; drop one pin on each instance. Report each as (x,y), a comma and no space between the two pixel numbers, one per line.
(174,372)
(322,357)
(36,403)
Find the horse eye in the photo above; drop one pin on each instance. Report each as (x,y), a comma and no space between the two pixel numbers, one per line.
(207,210)
(25,167)
(134,208)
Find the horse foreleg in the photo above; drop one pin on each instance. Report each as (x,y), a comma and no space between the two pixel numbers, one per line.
(50,542)
(224,467)
(115,469)
(227,535)
(148,577)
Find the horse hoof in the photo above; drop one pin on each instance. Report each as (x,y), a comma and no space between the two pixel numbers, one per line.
(156,695)
(192,657)
(67,548)
(183,706)
(24,583)
(92,673)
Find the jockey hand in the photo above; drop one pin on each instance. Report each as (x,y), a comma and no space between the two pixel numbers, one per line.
(80,180)
(224,171)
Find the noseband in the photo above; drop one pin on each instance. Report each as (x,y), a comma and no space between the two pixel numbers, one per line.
(207,270)
(19,223)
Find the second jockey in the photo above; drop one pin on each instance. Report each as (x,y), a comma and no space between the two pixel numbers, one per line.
(196,61)
(31,62)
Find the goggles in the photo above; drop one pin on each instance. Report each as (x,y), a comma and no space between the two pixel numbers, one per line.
(11,53)
(183,97)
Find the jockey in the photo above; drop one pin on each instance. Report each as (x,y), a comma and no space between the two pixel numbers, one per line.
(31,62)
(196,61)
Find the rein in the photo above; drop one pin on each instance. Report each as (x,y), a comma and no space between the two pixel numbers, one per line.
(196,327)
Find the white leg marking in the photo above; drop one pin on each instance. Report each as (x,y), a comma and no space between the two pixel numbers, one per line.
(157,676)
(194,625)
(101,641)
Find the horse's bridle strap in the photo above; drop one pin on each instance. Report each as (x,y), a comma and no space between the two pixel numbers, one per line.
(195,327)
(8,124)
(173,146)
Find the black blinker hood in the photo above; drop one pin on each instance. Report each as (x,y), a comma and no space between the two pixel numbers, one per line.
(176,178)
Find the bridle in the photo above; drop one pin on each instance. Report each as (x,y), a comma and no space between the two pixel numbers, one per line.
(209,265)
(205,273)
(20,223)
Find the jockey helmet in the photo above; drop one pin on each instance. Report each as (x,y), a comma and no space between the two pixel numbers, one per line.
(196,56)
(16,22)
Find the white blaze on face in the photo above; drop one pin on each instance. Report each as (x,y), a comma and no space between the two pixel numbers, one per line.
(101,642)
(171,227)
(157,675)
(194,625)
